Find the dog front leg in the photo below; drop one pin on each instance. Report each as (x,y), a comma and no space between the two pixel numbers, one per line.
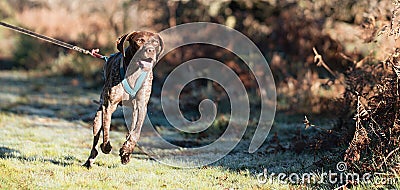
(107,113)
(138,116)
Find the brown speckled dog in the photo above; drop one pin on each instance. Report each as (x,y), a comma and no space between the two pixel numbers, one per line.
(141,55)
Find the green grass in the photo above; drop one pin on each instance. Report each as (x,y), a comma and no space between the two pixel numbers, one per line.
(42,157)
(50,157)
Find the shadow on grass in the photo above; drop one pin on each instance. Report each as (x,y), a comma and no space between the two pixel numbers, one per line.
(44,95)
(6,64)
(7,153)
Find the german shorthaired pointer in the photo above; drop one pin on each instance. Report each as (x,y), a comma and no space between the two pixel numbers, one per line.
(141,55)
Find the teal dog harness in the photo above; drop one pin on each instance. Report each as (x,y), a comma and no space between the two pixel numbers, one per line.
(139,82)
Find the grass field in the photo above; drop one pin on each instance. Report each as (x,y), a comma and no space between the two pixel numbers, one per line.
(37,157)
(44,142)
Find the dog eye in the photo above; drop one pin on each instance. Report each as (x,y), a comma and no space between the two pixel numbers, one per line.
(155,42)
(141,41)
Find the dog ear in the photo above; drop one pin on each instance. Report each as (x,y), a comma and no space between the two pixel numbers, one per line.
(121,41)
(161,46)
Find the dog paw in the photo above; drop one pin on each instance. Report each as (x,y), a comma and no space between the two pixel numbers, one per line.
(106,149)
(125,159)
(125,154)
(87,164)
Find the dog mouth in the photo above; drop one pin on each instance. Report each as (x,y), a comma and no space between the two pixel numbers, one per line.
(146,64)
(149,60)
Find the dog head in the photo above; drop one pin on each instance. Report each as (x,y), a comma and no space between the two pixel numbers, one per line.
(144,48)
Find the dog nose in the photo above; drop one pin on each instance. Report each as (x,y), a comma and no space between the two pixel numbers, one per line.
(150,50)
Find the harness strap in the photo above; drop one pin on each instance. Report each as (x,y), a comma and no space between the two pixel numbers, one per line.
(138,84)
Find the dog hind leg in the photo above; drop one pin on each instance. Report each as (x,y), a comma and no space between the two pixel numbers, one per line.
(97,123)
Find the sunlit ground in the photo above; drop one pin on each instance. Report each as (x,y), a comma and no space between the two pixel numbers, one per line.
(44,142)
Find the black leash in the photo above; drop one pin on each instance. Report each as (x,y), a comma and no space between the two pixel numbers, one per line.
(93,53)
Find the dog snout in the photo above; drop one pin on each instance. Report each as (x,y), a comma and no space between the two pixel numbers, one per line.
(150,50)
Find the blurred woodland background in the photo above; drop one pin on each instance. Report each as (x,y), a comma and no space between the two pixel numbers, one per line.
(355,39)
